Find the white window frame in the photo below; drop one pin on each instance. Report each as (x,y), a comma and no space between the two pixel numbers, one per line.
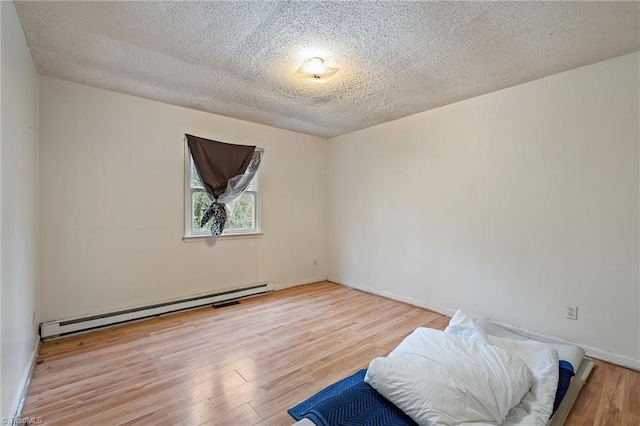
(189,234)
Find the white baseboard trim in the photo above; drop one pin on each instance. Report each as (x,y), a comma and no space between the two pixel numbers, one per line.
(394,296)
(282,286)
(25,382)
(591,351)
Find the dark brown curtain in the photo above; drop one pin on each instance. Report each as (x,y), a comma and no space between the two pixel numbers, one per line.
(217,162)
(225,171)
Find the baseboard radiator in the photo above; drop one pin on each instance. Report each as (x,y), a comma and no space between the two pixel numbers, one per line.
(54,329)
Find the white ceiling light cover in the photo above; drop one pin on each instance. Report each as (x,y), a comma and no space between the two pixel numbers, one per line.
(315,69)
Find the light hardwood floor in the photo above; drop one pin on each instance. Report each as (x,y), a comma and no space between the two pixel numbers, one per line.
(247,364)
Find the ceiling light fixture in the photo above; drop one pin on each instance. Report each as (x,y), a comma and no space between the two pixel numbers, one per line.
(315,69)
(314,66)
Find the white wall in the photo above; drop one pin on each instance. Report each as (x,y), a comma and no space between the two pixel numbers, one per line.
(112,194)
(19,210)
(511,205)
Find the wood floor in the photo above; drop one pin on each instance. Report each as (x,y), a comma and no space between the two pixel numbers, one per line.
(247,364)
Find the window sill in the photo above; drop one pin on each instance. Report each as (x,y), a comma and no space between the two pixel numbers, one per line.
(239,235)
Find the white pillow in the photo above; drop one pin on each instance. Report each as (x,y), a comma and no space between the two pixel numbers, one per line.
(542,359)
(438,378)
(466,326)
(537,405)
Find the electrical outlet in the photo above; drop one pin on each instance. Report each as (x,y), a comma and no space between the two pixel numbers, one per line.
(33,317)
(572,312)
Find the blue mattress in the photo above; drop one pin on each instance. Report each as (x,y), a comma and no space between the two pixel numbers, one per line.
(352,402)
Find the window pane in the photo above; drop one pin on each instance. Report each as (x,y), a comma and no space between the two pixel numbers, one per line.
(242,212)
(200,203)
(195,179)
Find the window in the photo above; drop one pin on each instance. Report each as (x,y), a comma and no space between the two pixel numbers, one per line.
(243,211)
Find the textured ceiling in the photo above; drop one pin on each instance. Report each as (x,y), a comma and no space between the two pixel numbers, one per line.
(396,58)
